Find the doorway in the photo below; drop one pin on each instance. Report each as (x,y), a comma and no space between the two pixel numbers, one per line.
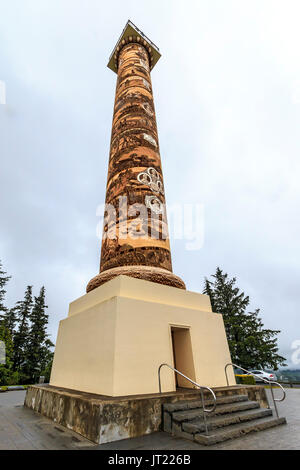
(183,355)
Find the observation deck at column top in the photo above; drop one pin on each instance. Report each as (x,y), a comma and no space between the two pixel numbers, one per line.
(132,34)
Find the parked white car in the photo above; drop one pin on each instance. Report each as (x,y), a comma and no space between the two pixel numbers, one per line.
(261,374)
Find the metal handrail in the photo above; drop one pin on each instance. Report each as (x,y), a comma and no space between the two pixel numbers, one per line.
(270,382)
(201,387)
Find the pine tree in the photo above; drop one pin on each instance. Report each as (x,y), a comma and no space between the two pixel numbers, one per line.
(39,346)
(6,368)
(251,346)
(9,320)
(3,281)
(6,329)
(22,311)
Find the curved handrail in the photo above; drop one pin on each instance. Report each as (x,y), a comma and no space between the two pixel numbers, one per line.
(270,382)
(201,387)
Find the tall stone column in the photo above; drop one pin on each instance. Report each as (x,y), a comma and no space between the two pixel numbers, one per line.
(135,236)
(115,339)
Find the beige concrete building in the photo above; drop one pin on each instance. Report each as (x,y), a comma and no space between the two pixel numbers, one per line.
(116,336)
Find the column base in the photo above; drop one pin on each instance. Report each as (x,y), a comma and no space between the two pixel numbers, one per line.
(147,273)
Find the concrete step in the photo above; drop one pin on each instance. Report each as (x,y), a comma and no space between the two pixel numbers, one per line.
(236,430)
(198,426)
(194,414)
(193,404)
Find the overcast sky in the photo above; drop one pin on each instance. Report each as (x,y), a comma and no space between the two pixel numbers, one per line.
(227,96)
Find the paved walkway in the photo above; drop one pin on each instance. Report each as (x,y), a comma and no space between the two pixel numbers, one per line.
(21,428)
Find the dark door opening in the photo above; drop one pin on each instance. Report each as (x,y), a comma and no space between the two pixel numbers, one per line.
(183,356)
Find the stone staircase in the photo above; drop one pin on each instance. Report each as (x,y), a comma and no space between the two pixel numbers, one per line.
(234,416)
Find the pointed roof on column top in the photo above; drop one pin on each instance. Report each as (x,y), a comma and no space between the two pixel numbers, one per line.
(132,34)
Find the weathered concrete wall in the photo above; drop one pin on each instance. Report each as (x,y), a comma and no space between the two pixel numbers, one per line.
(255,393)
(99,419)
(102,419)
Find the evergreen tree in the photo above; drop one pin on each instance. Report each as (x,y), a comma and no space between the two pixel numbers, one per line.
(9,320)
(21,336)
(251,346)
(23,328)
(39,346)
(6,368)
(47,371)
(3,281)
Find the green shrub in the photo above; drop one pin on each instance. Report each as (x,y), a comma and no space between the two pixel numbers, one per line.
(13,379)
(245,379)
(47,371)
(23,378)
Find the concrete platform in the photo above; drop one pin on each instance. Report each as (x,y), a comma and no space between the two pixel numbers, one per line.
(104,419)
